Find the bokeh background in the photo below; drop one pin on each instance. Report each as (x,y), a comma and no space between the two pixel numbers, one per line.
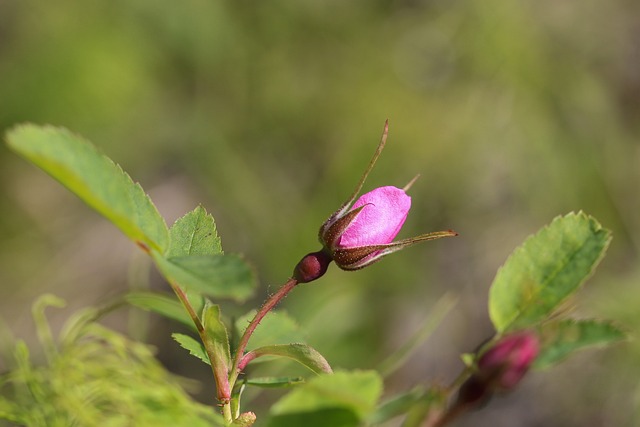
(513,112)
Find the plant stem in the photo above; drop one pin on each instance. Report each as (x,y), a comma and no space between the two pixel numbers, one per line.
(222,384)
(226,413)
(453,411)
(266,308)
(262,312)
(182,296)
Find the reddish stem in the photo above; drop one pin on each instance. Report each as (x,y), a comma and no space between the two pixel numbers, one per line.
(266,308)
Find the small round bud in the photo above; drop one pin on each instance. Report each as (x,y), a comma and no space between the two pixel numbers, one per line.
(311,267)
(245,419)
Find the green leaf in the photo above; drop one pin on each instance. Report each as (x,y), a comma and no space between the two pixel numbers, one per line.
(94,178)
(217,333)
(545,270)
(194,234)
(194,346)
(344,399)
(561,338)
(160,303)
(301,353)
(213,275)
(274,382)
(396,406)
(276,328)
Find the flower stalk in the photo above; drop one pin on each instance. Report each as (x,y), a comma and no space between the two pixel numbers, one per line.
(358,234)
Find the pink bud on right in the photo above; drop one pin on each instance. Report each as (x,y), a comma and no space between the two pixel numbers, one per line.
(508,360)
(499,369)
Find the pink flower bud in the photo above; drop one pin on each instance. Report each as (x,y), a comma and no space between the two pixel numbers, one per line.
(509,359)
(499,369)
(359,234)
(384,211)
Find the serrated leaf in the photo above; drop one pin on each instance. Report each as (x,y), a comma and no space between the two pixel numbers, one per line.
(222,276)
(545,270)
(301,353)
(194,347)
(276,328)
(93,177)
(162,304)
(274,382)
(559,339)
(194,234)
(344,399)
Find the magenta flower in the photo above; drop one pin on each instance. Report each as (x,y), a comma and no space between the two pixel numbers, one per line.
(509,359)
(361,233)
(384,211)
(499,369)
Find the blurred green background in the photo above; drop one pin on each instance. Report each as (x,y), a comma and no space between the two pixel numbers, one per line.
(513,112)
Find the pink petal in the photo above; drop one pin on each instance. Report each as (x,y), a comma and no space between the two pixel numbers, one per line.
(379,222)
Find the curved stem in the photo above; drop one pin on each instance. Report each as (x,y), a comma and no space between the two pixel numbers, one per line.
(456,409)
(266,308)
(244,340)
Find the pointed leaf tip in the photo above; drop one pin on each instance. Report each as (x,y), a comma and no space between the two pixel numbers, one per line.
(194,234)
(94,178)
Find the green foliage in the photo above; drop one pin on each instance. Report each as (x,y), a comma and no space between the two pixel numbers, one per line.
(94,178)
(96,378)
(343,399)
(545,270)
(195,347)
(195,259)
(189,254)
(274,382)
(560,338)
(194,234)
(160,303)
(301,353)
(397,405)
(213,275)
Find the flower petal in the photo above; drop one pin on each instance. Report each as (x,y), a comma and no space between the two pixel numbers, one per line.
(379,222)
